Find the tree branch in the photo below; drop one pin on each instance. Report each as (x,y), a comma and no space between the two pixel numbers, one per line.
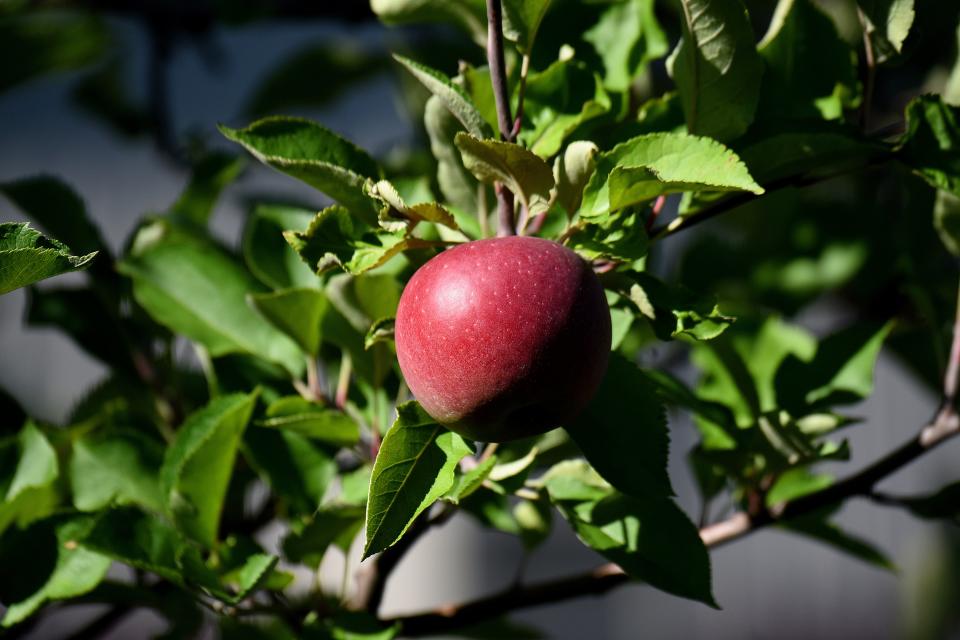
(506,226)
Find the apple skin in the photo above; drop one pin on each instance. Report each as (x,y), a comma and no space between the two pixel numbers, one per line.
(503,338)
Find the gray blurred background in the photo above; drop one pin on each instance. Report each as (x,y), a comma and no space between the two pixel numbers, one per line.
(772,584)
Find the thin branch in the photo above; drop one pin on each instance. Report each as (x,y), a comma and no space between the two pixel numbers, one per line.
(506,226)
(521,94)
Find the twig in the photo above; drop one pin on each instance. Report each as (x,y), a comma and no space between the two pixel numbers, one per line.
(521,94)
(501,96)
(343,381)
(945,425)
(655,211)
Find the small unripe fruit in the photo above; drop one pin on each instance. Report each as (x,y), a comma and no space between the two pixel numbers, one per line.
(503,338)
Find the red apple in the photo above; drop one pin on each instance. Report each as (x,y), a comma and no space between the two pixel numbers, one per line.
(503,338)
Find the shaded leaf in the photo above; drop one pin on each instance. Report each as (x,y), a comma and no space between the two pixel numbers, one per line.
(294,414)
(381,330)
(268,255)
(623,432)
(716,68)
(120,467)
(414,467)
(618,236)
(810,70)
(887,23)
(457,185)
(330,524)
(196,290)
(198,465)
(521,20)
(73,571)
(558,102)
(830,534)
(470,15)
(627,37)
(931,144)
(467,483)
(297,470)
(296,312)
(674,310)
(649,538)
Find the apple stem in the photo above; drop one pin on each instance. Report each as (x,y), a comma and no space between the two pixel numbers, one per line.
(506,225)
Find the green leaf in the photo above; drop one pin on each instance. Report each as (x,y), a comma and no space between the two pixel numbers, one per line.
(810,70)
(26,257)
(716,68)
(656,164)
(309,152)
(627,37)
(199,463)
(44,562)
(296,312)
(943,504)
(382,330)
(841,371)
(140,540)
(946,220)
(819,529)
(623,432)
(298,470)
(795,483)
(559,101)
(467,14)
(37,466)
(414,467)
(335,239)
(247,578)
(397,215)
(649,538)
(457,185)
(617,236)
(467,483)
(931,144)
(208,179)
(674,310)
(521,21)
(294,414)
(534,520)
(196,290)
(887,23)
(268,256)
(58,209)
(571,171)
(452,96)
(520,170)
(330,524)
(808,154)
(118,467)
